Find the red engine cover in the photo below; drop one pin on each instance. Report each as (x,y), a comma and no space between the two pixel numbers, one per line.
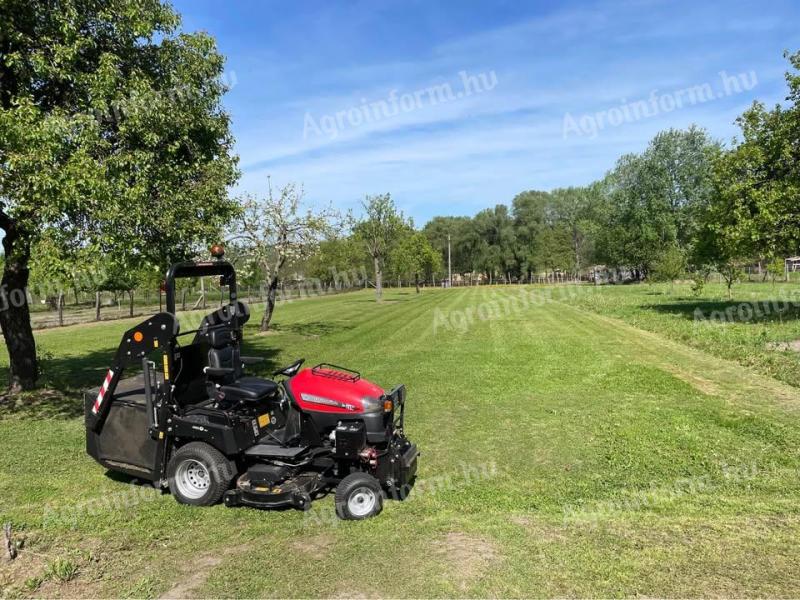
(330,391)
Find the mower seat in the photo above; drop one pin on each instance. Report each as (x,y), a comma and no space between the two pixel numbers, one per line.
(224,355)
(250,389)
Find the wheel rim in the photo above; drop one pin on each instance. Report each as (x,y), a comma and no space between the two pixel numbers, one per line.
(362,501)
(192,479)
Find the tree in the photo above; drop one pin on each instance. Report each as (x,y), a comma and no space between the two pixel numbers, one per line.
(576,209)
(671,265)
(275,231)
(776,269)
(529,211)
(719,242)
(654,198)
(495,250)
(759,179)
(378,232)
(112,133)
(437,231)
(340,261)
(414,256)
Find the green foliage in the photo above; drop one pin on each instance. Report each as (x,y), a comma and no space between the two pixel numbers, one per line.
(120,141)
(113,143)
(339,260)
(378,231)
(671,265)
(699,280)
(654,198)
(459,230)
(414,256)
(776,269)
(60,570)
(759,179)
(494,242)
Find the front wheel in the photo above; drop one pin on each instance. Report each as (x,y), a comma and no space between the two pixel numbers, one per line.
(358,496)
(199,474)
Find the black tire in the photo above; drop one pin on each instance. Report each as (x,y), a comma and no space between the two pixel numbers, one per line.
(358,496)
(198,474)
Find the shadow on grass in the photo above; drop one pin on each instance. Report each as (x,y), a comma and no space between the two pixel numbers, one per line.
(391,300)
(730,311)
(65,379)
(313,328)
(42,404)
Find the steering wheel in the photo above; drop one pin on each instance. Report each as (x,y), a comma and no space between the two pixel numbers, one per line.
(291,370)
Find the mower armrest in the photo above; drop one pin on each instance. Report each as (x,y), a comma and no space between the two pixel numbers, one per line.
(218,371)
(251,360)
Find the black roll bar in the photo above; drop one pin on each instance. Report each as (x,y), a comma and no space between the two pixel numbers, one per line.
(200,269)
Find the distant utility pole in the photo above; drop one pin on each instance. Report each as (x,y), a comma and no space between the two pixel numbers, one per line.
(449,265)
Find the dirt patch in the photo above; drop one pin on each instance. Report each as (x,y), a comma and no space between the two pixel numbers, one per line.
(793,346)
(521,520)
(268,333)
(201,568)
(469,556)
(14,573)
(701,384)
(314,545)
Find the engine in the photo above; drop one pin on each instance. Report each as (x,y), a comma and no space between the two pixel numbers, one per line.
(353,411)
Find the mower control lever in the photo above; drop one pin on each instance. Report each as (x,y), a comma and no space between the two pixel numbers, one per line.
(148,371)
(251,360)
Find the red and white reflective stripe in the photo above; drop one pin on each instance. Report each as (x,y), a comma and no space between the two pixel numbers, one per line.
(102,394)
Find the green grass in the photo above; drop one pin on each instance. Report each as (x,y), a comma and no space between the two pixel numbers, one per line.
(745,328)
(564,453)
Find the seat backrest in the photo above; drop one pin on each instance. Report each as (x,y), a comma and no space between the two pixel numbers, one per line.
(190,378)
(224,354)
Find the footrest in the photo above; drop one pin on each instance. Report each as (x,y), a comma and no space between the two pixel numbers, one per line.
(273,451)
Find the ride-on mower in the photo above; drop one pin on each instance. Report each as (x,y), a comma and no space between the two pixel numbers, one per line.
(185,416)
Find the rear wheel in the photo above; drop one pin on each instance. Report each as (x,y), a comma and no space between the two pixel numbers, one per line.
(199,474)
(358,496)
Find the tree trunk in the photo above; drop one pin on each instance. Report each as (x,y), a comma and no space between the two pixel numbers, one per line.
(97,306)
(15,314)
(61,309)
(270,308)
(378,280)
(416,281)
(130,297)
(183,301)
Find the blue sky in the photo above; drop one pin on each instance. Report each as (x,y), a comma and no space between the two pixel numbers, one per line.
(337,95)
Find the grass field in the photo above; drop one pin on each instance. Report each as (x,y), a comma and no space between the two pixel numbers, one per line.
(756,327)
(565,452)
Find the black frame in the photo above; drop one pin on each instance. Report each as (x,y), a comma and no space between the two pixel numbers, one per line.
(185,270)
